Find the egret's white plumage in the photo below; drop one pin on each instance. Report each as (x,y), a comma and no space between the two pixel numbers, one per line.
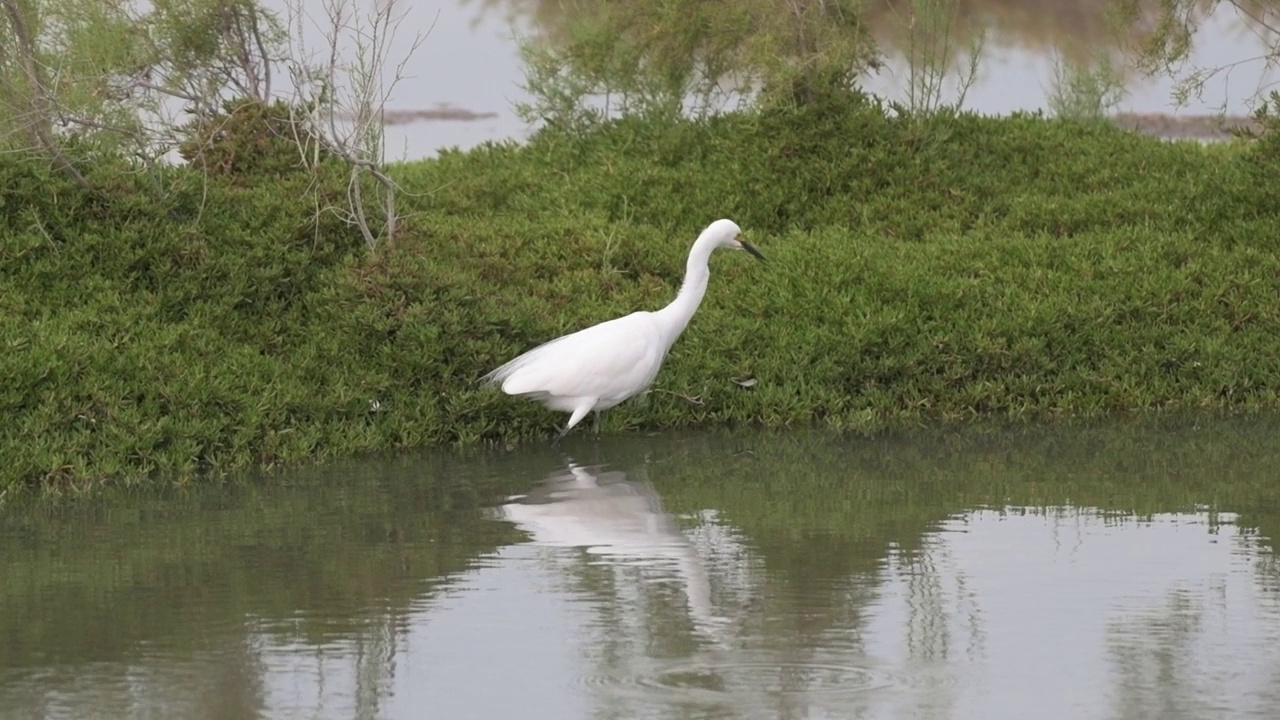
(598,367)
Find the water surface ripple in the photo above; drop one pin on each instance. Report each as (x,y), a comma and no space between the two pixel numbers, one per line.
(1119,572)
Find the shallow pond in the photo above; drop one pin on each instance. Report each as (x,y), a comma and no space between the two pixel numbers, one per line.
(1115,572)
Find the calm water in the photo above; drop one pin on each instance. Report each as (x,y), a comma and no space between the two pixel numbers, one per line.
(1104,573)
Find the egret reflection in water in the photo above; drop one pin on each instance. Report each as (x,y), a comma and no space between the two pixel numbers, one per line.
(620,523)
(1118,572)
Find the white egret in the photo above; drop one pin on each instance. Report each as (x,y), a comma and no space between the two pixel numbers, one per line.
(598,367)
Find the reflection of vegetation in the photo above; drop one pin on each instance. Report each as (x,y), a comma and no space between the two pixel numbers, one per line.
(873,495)
(1268,582)
(822,513)
(1152,655)
(346,553)
(313,562)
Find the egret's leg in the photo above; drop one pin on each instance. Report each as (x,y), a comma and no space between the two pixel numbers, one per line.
(597,424)
(560,435)
(578,413)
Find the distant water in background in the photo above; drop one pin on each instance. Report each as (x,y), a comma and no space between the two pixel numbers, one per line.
(464,79)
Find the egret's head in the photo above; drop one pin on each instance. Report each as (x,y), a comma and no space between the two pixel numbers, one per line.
(727,234)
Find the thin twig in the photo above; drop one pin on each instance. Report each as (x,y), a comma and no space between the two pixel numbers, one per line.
(694,399)
(351,92)
(357,205)
(41,104)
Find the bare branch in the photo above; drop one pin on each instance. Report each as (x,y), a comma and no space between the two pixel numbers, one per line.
(168,90)
(41,104)
(346,101)
(357,205)
(261,44)
(1254,18)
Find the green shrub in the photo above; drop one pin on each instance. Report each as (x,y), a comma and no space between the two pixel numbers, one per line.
(251,139)
(923,269)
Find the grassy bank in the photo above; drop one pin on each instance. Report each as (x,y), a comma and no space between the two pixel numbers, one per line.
(941,270)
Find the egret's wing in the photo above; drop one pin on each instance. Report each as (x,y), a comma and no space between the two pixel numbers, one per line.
(615,358)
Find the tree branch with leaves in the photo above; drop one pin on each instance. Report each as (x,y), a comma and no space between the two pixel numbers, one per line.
(1166,32)
(39,105)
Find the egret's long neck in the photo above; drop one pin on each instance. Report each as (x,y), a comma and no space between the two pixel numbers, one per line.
(675,317)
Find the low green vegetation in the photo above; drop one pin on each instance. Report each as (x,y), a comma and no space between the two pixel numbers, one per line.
(923,270)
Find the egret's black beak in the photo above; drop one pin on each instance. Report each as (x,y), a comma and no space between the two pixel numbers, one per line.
(750,248)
